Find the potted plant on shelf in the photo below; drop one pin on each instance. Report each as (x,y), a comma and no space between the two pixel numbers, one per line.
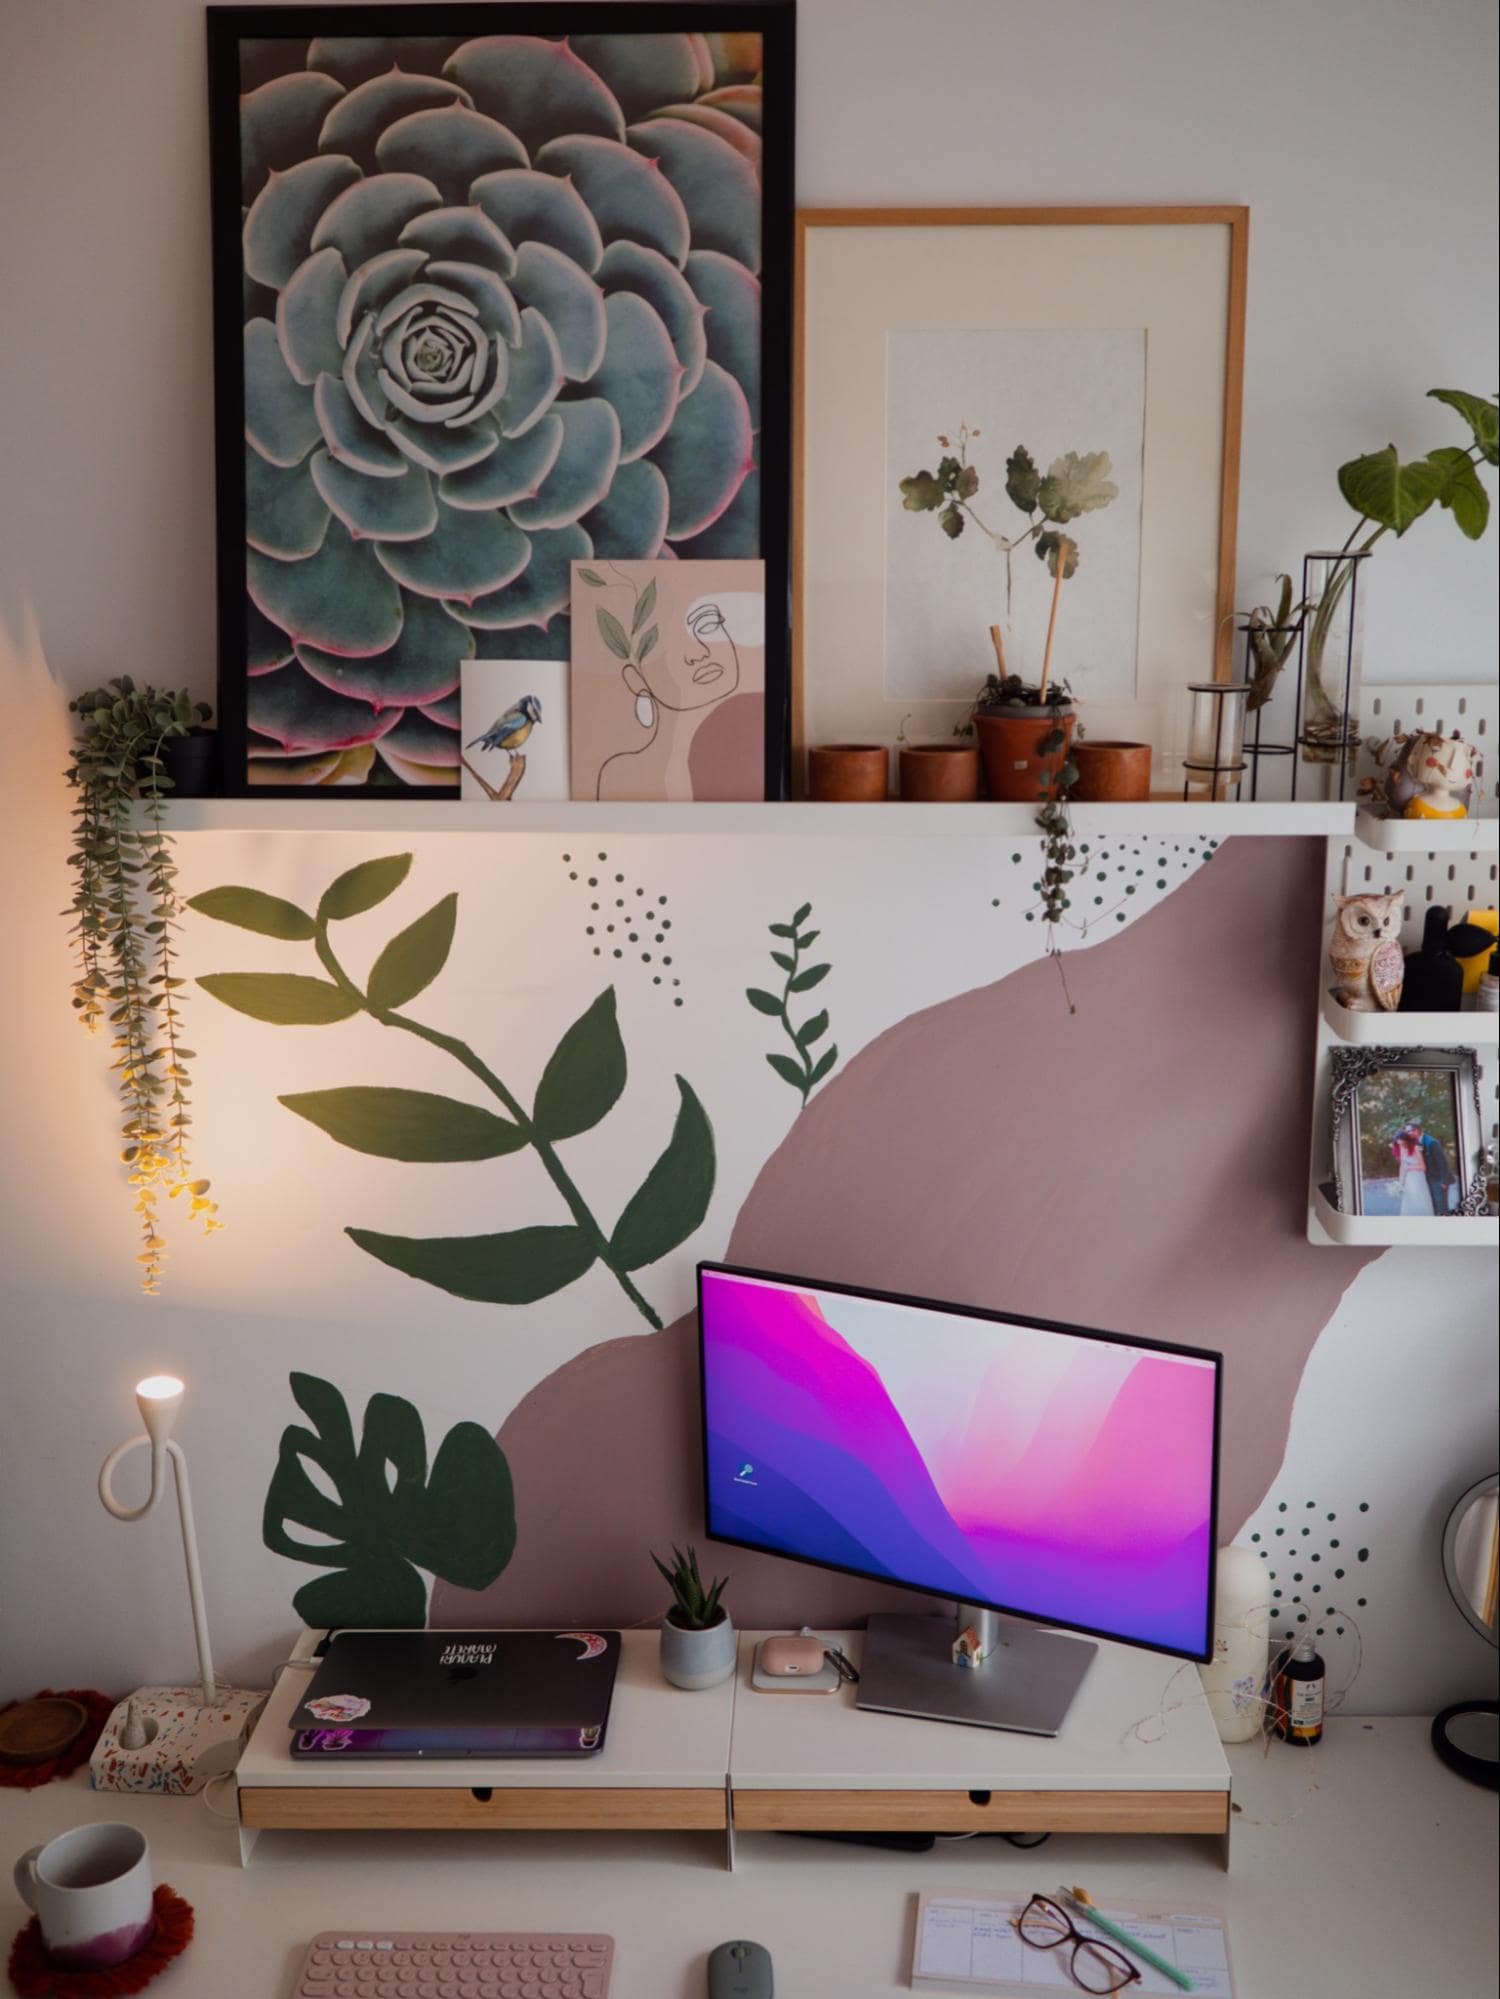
(697,1637)
(126,910)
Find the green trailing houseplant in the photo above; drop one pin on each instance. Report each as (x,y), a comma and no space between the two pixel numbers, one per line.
(125,911)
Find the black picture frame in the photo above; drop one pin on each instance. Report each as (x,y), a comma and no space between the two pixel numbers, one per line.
(227,29)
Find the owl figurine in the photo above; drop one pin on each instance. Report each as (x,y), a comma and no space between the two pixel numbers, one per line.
(1365,952)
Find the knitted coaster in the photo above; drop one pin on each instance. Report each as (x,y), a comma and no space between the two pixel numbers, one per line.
(34,1978)
(27,1776)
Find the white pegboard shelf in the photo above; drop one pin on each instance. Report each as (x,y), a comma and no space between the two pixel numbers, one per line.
(1411,1030)
(1427,836)
(1328,1225)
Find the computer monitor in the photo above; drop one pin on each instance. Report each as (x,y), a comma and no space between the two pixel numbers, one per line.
(1053,1473)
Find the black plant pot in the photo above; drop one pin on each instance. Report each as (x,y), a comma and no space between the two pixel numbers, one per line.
(192,763)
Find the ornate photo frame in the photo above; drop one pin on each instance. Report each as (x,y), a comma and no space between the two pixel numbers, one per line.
(1354,1067)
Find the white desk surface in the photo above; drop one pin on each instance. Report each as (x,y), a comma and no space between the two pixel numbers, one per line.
(658,1739)
(1361,1870)
(783,1741)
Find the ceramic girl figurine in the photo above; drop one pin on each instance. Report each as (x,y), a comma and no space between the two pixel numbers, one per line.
(1428,776)
(1365,952)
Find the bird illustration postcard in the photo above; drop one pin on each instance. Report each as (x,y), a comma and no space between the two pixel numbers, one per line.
(668,679)
(515,729)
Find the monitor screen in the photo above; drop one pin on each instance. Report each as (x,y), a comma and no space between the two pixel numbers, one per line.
(1060,1474)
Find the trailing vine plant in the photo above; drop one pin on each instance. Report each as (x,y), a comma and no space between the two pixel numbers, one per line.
(125,911)
(802,1070)
(581,1084)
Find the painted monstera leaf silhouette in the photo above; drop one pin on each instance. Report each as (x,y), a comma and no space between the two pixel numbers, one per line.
(502,313)
(388,1514)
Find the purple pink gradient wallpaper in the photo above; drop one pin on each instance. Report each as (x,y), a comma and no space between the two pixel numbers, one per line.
(1065,1477)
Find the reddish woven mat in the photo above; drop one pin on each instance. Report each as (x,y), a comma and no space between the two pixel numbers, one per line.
(27,1776)
(34,1978)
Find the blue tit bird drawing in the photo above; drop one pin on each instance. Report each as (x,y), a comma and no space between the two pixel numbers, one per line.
(512,728)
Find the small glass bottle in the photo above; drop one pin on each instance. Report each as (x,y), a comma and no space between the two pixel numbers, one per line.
(1487,999)
(1300,1686)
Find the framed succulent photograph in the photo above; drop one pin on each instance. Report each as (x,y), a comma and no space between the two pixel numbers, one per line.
(1021,419)
(497,290)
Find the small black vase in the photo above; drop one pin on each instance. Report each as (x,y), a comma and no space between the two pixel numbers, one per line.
(192,763)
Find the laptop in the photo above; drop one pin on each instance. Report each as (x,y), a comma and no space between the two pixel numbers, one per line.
(406,1694)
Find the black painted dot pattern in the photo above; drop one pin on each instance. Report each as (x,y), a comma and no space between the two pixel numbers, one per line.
(1308,1569)
(1107,874)
(625,920)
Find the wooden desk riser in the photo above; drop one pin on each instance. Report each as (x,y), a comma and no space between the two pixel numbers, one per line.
(732,1759)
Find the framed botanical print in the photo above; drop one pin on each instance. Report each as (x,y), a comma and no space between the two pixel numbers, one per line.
(1025,419)
(497,290)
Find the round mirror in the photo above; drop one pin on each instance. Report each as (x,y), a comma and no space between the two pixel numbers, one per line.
(1467,1736)
(1471,1545)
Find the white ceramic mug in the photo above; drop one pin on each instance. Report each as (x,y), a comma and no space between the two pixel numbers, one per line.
(91,1890)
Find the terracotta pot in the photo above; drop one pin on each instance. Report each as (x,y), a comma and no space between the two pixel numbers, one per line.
(1009,740)
(1112,773)
(848,773)
(940,773)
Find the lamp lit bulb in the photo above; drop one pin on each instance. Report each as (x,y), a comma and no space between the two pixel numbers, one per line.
(159,1397)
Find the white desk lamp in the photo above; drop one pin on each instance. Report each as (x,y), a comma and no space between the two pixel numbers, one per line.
(157,1738)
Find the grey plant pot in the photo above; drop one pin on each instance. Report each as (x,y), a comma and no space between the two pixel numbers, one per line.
(694,1660)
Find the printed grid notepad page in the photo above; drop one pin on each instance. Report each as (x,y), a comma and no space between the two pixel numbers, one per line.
(967,1943)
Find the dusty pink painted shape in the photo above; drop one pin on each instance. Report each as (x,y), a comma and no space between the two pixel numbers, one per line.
(1140,1165)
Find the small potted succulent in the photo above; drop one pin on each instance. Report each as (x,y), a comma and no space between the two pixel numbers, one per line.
(697,1637)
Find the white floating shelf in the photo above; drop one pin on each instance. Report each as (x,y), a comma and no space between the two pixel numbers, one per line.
(323,812)
(1427,836)
(1326,1225)
(1412,1030)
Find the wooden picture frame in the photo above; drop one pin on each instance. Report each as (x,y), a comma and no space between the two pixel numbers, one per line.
(361,548)
(1176,273)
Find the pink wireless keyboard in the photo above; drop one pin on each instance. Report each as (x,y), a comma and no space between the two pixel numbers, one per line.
(453,1964)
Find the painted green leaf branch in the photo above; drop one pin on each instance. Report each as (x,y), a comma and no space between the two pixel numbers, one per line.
(390,1515)
(582,1082)
(803,1070)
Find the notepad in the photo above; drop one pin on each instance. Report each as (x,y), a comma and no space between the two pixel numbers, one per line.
(968,1943)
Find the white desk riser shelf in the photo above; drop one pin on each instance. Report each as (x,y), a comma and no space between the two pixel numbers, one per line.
(732,1759)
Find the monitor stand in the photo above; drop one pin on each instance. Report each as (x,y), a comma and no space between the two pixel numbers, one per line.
(1026,1681)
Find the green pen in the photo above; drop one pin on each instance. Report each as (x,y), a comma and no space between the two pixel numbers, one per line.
(1077,1898)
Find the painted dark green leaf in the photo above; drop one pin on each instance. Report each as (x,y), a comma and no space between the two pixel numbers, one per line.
(648,644)
(645,607)
(463,1525)
(808,937)
(285,999)
(613,633)
(763,1002)
(788,1070)
(782,929)
(1023,479)
(784,960)
(592,578)
(802,914)
(823,1064)
(813,976)
(810,1031)
(412,1125)
(582,1082)
(413,958)
(382,1591)
(251,909)
(362,887)
(674,1196)
(515,1268)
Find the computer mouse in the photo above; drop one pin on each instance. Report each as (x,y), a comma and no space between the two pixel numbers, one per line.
(791,1657)
(739,1970)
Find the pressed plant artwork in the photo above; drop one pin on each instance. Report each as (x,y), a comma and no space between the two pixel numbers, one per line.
(580,1085)
(501,312)
(803,1068)
(390,1513)
(1044,462)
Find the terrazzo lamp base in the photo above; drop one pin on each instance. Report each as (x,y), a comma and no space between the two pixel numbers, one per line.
(165,1739)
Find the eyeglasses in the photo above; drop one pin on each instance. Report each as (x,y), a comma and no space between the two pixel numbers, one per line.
(1096,1966)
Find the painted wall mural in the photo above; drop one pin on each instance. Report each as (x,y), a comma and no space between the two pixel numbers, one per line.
(803,1069)
(581,1084)
(390,1515)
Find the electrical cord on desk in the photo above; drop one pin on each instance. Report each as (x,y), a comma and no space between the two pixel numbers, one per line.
(1024,1840)
(227,1776)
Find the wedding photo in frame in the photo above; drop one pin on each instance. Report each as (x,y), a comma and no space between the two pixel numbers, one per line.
(951,365)
(1407,1130)
(497,289)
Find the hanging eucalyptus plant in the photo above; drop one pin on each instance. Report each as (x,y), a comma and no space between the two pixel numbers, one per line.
(125,909)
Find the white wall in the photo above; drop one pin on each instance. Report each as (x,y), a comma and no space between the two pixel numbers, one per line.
(1361,133)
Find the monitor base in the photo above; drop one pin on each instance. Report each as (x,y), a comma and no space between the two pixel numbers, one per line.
(1027,1682)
